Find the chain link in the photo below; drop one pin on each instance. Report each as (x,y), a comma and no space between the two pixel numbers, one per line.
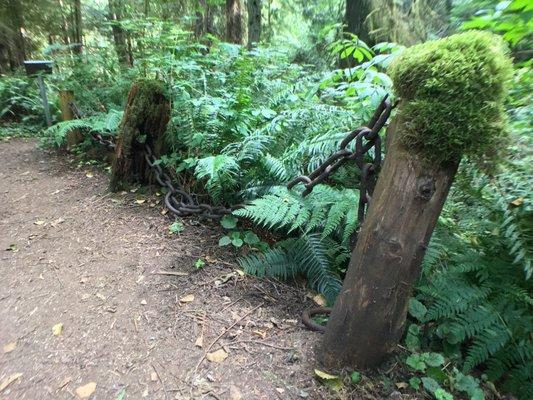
(177,200)
(366,138)
(95,136)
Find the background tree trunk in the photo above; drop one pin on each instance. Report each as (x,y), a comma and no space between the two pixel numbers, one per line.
(119,36)
(147,113)
(17,51)
(368,317)
(254,22)
(63,24)
(355,16)
(234,25)
(78,29)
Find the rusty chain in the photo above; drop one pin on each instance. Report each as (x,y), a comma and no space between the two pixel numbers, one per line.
(182,204)
(366,138)
(186,204)
(95,136)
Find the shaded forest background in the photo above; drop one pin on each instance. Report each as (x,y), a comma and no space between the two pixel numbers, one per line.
(263,91)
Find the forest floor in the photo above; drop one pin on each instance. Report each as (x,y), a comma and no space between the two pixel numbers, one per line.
(96,291)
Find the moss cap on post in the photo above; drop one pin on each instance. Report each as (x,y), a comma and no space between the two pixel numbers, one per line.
(452,93)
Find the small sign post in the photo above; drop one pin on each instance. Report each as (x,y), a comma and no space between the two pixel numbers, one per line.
(39,68)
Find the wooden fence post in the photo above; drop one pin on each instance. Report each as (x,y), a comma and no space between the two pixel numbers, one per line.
(452,92)
(74,137)
(146,114)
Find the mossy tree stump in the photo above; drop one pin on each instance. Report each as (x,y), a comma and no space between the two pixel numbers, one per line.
(145,120)
(452,93)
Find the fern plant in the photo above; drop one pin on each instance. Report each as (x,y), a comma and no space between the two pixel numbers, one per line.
(106,124)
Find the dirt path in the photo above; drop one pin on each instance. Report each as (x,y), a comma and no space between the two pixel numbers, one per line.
(71,253)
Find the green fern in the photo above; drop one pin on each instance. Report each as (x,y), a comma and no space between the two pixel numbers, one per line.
(308,255)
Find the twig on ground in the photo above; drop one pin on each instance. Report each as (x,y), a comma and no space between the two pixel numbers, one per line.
(160,381)
(222,334)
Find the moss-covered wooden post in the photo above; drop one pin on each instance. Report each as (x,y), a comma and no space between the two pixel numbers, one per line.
(451,92)
(74,137)
(145,117)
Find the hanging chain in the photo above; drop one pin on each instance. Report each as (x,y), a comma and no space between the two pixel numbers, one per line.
(95,136)
(182,204)
(366,138)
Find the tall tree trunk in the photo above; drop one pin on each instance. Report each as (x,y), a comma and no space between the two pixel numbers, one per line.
(200,14)
(78,29)
(367,320)
(234,28)
(63,24)
(355,16)
(254,22)
(15,17)
(119,36)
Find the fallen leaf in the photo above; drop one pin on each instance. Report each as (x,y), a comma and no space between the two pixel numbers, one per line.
(518,201)
(320,300)
(57,329)
(56,222)
(10,347)
(89,174)
(259,333)
(9,380)
(187,299)
(13,248)
(140,201)
(240,272)
(39,222)
(85,391)
(235,393)
(402,385)
(332,381)
(324,375)
(217,356)
(199,341)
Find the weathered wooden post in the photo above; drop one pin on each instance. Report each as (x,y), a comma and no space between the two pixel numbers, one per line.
(66,97)
(146,114)
(451,91)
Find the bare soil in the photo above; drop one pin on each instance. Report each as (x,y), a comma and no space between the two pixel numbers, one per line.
(72,253)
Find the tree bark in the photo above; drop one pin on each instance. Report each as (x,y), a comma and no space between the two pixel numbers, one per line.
(234,25)
(15,18)
(355,16)
(74,137)
(63,24)
(368,318)
(119,36)
(254,22)
(78,29)
(147,113)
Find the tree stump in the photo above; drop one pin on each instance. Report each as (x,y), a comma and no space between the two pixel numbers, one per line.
(74,137)
(145,120)
(452,93)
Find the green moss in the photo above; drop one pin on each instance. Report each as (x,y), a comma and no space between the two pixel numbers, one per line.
(452,93)
(147,101)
